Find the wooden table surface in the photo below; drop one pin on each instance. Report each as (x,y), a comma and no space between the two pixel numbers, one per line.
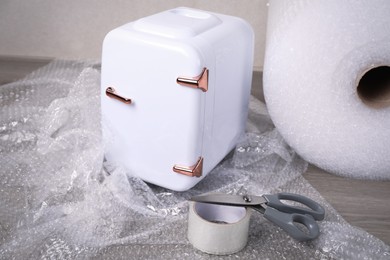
(362,203)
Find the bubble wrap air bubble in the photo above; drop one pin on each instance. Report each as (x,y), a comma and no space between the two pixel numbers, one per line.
(61,200)
(316,53)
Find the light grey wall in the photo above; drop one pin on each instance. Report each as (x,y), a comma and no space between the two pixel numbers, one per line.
(74,29)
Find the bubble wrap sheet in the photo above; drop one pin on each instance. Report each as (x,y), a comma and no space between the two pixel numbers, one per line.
(61,200)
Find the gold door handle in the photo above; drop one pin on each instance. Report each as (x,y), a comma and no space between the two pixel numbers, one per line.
(192,171)
(200,82)
(110,92)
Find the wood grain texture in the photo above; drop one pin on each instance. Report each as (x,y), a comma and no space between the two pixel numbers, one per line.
(362,203)
(13,68)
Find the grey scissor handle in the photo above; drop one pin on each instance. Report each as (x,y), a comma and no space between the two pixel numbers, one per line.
(314,209)
(287,221)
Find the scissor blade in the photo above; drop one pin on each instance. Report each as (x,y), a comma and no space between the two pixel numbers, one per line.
(230,200)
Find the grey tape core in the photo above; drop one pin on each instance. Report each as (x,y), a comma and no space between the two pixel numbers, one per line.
(220,214)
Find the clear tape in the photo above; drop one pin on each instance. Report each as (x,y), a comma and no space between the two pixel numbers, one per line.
(61,200)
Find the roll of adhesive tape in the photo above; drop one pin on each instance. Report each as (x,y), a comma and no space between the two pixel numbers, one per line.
(216,229)
(327,82)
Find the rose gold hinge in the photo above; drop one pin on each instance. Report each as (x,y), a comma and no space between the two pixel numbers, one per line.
(193,171)
(112,94)
(201,81)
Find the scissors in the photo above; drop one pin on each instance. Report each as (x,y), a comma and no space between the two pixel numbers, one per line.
(289,218)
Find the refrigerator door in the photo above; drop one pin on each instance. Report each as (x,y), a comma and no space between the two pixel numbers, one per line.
(160,132)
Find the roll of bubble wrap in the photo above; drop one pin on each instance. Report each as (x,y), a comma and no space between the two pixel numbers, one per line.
(327,82)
